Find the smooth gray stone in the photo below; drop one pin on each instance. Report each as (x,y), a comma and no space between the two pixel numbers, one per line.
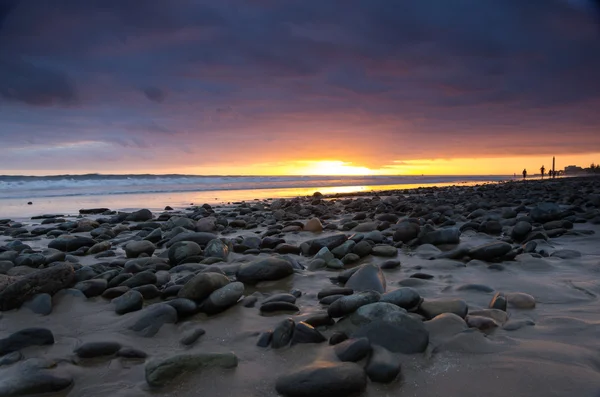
(152,318)
(97,349)
(130,301)
(353,349)
(323,379)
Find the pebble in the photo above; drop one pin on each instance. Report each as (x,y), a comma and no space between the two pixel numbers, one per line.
(25,338)
(282,334)
(367,278)
(272,307)
(152,318)
(434,307)
(498,302)
(406,298)
(349,304)
(160,372)
(306,333)
(40,304)
(353,349)
(520,300)
(267,269)
(383,366)
(190,337)
(130,301)
(97,349)
(323,379)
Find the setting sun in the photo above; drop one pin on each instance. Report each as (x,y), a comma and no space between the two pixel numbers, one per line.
(329,167)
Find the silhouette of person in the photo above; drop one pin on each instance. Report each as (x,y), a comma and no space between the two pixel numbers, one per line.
(542,170)
(524,173)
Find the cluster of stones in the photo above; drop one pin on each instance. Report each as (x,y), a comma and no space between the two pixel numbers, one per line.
(169,268)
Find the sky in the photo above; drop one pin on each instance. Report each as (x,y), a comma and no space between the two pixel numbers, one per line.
(255,87)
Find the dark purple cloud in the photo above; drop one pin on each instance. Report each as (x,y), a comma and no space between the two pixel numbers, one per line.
(378,80)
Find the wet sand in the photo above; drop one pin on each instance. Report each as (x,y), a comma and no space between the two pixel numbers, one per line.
(552,349)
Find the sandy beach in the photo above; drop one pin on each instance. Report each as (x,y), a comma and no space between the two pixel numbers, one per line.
(439,291)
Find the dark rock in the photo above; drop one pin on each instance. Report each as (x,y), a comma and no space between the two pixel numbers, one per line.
(385,251)
(200,238)
(498,302)
(136,248)
(390,264)
(344,249)
(117,280)
(267,269)
(130,301)
(398,332)
(362,249)
(272,307)
(152,318)
(475,287)
(520,231)
(282,334)
(131,353)
(367,278)
(264,339)
(334,291)
(337,337)
(148,291)
(190,337)
(353,349)
(435,307)
(349,304)
(545,212)
(11,358)
(142,278)
(406,231)
(222,298)
(160,372)
(67,243)
(115,292)
(320,320)
(202,285)
(280,298)
(328,300)
(490,251)
(216,249)
(92,288)
(323,379)
(97,349)
(142,215)
(171,291)
(422,276)
(440,236)
(311,247)
(25,338)
(179,252)
(405,297)
(47,281)
(305,333)
(184,307)
(40,304)
(32,377)
(383,366)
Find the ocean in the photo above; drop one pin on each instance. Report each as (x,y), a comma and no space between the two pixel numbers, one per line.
(66,194)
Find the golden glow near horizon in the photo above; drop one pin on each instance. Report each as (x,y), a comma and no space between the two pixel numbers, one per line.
(457,166)
(435,166)
(328,167)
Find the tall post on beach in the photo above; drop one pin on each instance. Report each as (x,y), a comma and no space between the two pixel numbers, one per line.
(553,170)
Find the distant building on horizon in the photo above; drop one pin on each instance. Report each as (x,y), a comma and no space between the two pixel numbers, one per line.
(573,169)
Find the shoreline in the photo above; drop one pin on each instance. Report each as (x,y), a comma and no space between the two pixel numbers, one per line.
(156,201)
(484,285)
